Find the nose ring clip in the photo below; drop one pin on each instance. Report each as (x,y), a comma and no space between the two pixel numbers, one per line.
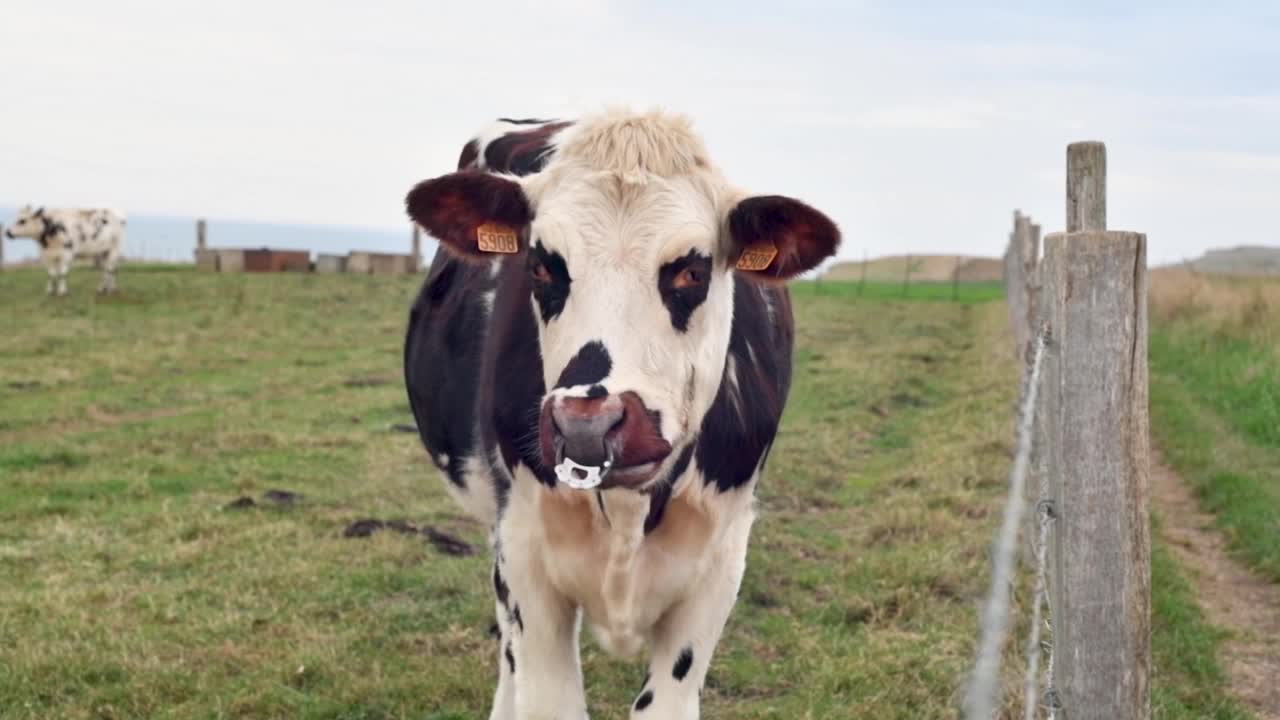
(582,477)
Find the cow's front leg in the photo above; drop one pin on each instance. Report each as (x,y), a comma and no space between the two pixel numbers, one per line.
(108,262)
(686,638)
(64,267)
(539,653)
(504,698)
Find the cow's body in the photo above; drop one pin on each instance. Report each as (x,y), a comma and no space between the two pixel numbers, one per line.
(67,234)
(657,561)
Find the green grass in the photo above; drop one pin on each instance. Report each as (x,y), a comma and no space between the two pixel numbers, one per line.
(880,290)
(1189,683)
(1214,404)
(127,590)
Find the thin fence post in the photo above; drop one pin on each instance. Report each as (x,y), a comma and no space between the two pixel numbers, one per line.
(1096,442)
(955,281)
(906,277)
(1015,285)
(417,248)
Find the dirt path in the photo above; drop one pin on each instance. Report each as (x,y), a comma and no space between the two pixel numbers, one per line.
(1233,598)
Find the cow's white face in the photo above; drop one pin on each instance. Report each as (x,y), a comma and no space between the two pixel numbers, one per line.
(632,242)
(633,294)
(29,223)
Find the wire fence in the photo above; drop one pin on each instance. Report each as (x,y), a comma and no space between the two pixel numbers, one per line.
(983,694)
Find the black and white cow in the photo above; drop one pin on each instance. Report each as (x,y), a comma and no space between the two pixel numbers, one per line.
(67,234)
(598,361)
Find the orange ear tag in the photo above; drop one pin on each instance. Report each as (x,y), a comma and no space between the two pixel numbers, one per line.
(757,257)
(494,238)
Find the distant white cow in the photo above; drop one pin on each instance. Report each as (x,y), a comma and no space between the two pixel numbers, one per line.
(67,234)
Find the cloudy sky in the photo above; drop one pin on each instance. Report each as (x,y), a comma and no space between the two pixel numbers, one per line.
(918,126)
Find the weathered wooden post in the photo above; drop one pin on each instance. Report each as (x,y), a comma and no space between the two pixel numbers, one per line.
(1086,186)
(201,235)
(1096,443)
(417,248)
(1015,284)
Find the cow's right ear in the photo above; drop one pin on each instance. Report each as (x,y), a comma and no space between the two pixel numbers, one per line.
(473,213)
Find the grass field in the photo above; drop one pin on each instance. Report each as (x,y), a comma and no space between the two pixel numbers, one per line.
(129,588)
(1215,367)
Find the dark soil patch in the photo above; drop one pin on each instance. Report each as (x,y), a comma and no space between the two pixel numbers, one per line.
(442,541)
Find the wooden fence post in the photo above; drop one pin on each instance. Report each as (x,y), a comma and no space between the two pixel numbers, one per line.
(1015,285)
(202,239)
(1086,186)
(417,248)
(1097,448)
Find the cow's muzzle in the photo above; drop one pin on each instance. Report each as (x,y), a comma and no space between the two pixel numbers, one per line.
(614,434)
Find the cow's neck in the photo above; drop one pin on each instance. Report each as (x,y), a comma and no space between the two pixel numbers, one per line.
(625,512)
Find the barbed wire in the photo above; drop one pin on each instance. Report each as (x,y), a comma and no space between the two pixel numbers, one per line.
(1047,514)
(981,697)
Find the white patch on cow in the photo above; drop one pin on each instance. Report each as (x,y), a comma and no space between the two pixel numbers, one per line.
(623,196)
(495,267)
(486,299)
(67,234)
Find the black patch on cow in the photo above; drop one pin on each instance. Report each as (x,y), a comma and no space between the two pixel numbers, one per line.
(735,436)
(596,391)
(554,292)
(661,493)
(591,365)
(683,663)
(645,700)
(681,302)
(517,618)
(645,684)
(442,349)
(511,658)
(524,121)
(525,152)
(603,512)
(470,152)
(500,586)
(51,229)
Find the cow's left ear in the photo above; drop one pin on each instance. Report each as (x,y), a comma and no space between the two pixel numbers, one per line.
(772,237)
(473,213)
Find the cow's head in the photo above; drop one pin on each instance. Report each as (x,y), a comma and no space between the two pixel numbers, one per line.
(632,241)
(30,223)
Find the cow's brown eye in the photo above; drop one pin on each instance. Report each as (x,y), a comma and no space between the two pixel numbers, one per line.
(689,277)
(540,272)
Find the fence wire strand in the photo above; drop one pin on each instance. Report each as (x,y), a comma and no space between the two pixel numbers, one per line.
(1034,647)
(982,696)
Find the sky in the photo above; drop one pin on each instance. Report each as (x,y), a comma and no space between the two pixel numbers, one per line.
(919,127)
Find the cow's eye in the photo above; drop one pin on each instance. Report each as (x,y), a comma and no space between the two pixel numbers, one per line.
(539,272)
(689,277)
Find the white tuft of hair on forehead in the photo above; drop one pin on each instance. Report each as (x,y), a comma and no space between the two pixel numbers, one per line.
(636,146)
